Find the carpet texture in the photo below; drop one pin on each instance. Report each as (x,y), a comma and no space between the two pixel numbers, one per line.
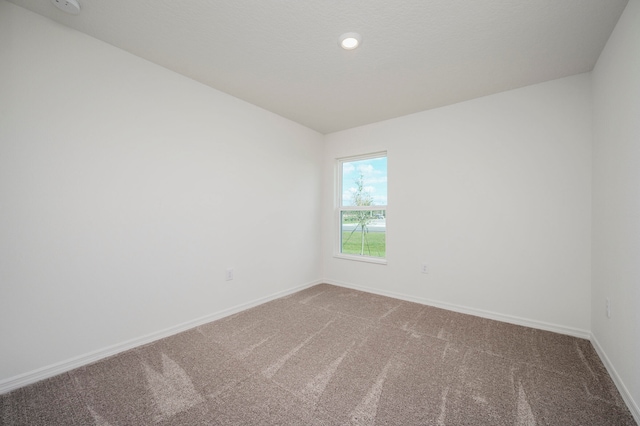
(334,356)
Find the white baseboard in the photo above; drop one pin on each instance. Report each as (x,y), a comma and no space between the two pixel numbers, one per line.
(52,370)
(541,325)
(584,334)
(624,392)
(30,377)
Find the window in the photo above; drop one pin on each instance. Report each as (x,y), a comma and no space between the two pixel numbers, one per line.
(362,207)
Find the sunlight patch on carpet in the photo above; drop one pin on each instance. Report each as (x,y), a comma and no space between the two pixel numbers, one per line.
(172,389)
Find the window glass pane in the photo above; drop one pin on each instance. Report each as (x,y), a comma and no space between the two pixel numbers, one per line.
(363,232)
(364,182)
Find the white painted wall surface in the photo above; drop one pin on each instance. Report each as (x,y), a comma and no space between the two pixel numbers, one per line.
(493,195)
(126,190)
(616,202)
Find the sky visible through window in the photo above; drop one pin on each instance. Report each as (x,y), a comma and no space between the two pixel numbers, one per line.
(374,175)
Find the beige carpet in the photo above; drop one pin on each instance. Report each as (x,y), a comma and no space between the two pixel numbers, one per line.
(333,356)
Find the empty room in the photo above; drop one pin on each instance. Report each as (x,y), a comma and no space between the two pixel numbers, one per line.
(320,213)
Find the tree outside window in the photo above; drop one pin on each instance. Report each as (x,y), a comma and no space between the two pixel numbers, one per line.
(362,207)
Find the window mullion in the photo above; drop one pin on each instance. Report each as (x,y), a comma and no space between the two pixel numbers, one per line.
(365,208)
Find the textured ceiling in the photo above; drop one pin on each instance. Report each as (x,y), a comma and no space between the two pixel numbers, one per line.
(283,55)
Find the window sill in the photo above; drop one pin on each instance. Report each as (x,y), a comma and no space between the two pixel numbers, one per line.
(367,259)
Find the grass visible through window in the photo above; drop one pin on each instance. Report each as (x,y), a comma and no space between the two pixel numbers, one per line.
(374,243)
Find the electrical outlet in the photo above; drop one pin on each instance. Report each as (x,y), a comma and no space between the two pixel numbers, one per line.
(424,269)
(608,308)
(229,274)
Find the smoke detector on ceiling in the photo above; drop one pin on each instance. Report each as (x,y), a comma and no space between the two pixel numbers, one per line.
(69,6)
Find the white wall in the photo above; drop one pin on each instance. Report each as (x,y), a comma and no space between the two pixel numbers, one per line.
(494,195)
(126,190)
(616,202)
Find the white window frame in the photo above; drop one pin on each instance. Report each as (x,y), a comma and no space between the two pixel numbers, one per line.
(339,208)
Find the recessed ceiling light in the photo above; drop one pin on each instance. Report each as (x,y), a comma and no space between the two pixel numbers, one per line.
(349,41)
